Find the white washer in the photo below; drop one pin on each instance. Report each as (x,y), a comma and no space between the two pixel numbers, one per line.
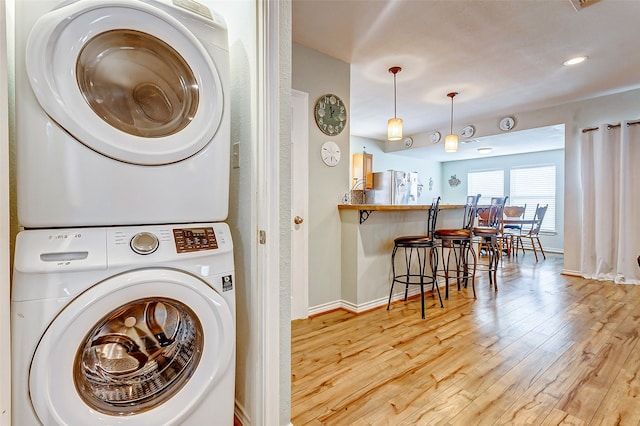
(124,326)
(122,111)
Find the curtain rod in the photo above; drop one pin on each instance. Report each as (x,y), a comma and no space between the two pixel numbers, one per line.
(609,126)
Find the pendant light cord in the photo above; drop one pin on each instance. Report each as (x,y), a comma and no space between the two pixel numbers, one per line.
(451,95)
(451,121)
(394,95)
(395,71)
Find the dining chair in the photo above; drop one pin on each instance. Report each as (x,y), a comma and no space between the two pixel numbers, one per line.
(532,235)
(459,242)
(510,230)
(489,234)
(417,249)
(484,219)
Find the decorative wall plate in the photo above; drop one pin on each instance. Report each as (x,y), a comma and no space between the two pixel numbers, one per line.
(507,123)
(468,131)
(330,153)
(435,137)
(408,142)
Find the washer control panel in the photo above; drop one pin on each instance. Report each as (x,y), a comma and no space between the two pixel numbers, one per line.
(194,239)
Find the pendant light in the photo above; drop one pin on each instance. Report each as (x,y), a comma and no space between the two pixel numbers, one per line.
(451,141)
(394,126)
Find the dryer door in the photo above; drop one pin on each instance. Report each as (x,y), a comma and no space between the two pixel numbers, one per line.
(126,79)
(144,346)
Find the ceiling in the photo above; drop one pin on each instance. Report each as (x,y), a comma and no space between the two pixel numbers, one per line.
(502,56)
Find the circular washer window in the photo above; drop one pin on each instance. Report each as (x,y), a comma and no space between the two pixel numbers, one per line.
(138,356)
(137,83)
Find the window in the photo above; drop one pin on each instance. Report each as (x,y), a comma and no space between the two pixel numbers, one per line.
(488,183)
(535,185)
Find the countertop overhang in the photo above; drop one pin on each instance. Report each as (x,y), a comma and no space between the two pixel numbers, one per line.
(367,209)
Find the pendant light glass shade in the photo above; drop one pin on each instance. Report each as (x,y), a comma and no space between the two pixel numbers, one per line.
(451,140)
(451,143)
(394,125)
(394,129)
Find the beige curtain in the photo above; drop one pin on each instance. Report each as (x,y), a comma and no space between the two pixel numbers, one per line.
(610,174)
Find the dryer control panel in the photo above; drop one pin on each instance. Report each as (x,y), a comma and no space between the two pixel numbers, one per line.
(194,239)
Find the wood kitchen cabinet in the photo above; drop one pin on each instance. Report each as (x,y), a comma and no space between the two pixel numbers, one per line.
(362,171)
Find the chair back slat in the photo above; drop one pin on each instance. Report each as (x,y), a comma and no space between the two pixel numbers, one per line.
(495,213)
(470,211)
(433,217)
(538,217)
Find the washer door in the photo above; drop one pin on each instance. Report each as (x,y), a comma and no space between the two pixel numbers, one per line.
(126,79)
(143,347)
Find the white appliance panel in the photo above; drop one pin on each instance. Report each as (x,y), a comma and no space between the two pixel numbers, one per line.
(73,168)
(53,311)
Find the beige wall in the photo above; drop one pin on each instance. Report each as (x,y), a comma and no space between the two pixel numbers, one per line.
(318,74)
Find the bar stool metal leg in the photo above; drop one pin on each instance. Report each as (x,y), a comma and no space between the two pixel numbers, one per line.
(420,278)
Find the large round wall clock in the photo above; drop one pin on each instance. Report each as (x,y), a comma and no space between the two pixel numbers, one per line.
(331,114)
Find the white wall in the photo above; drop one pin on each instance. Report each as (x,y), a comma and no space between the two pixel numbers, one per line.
(5,339)
(245,51)
(457,195)
(428,170)
(284,287)
(576,116)
(260,45)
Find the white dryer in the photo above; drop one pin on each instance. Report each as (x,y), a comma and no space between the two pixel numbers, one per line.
(124,326)
(122,110)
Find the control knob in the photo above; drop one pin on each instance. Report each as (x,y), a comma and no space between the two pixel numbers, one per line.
(144,243)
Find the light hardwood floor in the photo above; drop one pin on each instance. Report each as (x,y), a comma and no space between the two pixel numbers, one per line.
(545,349)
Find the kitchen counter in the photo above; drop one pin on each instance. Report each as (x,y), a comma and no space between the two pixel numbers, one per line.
(367,243)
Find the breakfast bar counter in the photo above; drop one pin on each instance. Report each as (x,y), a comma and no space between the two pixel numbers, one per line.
(366,209)
(367,233)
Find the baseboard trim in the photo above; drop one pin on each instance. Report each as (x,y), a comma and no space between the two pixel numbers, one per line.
(571,273)
(414,291)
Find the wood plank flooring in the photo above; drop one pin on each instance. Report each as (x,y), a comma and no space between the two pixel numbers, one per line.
(545,349)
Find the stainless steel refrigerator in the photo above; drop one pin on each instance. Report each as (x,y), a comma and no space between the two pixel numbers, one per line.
(393,187)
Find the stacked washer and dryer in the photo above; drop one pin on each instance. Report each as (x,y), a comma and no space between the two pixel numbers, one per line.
(123,299)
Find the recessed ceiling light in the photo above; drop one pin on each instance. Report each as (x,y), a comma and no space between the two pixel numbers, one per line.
(575,61)
(485,150)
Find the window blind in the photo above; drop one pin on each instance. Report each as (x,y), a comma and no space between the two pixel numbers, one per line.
(533,186)
(489,183)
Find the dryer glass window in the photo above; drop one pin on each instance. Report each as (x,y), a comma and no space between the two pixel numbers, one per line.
(137,83)
(138,356)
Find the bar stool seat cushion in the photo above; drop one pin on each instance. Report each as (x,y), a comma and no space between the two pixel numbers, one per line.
(413,241)
(452,233)
(486,231)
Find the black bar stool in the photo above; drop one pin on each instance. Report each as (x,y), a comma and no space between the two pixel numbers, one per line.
(418,248)
(459,241)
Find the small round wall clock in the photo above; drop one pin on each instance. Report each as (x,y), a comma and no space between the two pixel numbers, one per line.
(330,153)
(408,142)
(331,114)
(507,124)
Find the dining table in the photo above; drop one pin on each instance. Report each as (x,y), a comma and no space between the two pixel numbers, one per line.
(506,221)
